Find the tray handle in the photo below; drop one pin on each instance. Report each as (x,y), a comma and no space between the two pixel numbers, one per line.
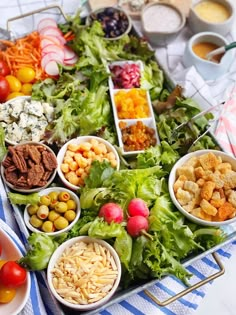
(189,289)
(54,6)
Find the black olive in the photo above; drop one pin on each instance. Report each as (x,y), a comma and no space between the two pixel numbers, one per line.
(109,11)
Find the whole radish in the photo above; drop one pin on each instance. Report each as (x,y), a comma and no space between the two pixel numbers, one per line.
(111,212)
(138,206)
(137,225)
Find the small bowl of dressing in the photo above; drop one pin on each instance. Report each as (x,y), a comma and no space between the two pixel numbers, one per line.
(196,51)
(212,16)
(161,22)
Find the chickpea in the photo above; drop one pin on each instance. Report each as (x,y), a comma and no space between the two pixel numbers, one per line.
(32,209)
(73,166)
(65,167)
(53,215)
(64,196)
(45,200)
(83,162)
(113,163)
(71,204)
(79,171)
(94,142)
(98,150)
(77,157)
(73,147)
(72,178)
(35,221)
(68,160)
(69,153)
(42,212)
(47,227)
(85,146)
(110,156)
(61,223)
(61,207)
(70,215)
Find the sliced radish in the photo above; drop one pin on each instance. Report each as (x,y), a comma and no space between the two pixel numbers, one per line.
(71,61)
(69,53)
(49,40)
(54,49)
(50,57)
(51,31)
(51,68)
(46,22)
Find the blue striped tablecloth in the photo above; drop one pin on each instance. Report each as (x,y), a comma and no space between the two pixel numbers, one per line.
(40,301)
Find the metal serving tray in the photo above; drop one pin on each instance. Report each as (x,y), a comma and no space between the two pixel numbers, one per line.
(230,231)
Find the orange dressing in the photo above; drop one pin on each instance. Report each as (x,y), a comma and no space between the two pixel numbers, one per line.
(203,48)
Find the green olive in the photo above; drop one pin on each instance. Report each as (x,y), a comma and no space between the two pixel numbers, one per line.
(64,196)
(35,221)
(53,215)
(47,227)
(32,209)
(61,207)
(71,204)
(53,204)
(42,212)
(70,215)
(45,200)
(61,223)
(53,195)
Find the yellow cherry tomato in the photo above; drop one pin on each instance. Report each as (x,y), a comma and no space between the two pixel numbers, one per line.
(26,88)
(6,294)
(14,94)
(2,262)
(15,84)
(25,74)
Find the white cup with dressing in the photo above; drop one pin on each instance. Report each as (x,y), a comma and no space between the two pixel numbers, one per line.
(196,50)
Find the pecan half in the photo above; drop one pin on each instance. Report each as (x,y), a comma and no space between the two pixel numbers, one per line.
(49,161)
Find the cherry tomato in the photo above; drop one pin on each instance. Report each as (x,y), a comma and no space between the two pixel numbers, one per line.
(2,262)
(25,74)
(12,275)
(15,84)
(26,88)
(4,69)
(4,89)
(14,94)
(6,294)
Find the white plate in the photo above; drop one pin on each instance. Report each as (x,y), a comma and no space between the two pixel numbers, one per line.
(11,252)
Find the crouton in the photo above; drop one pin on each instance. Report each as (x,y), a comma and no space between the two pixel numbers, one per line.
(193,161)
(217,203)
(183,196)
(215,195)
(207,207)
(228,192)
(224,167)
(199,172)
(229,180)
(232,198)
(179,182)
(200,182)
(222,192)
(225,211)
(216,177)
(209,161)
(190,186)
(207,190)
(187,171)
(190,206)
(198,197)
(198,212)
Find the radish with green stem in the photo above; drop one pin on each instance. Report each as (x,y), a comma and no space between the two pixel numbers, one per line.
(137,225)
(111,212)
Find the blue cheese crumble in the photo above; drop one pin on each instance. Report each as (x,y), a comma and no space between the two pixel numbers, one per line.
(25,119)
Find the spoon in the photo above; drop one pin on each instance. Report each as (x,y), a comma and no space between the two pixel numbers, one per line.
(220,50)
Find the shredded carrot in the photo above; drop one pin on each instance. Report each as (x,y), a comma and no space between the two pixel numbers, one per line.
(25,51)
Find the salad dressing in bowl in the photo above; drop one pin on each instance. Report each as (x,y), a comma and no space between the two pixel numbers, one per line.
(203,48)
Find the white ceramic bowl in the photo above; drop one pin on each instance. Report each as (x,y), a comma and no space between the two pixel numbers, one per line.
(93,16)
(207,69)
(46,192)
(11,252)
(80,140)
(198,24)
(58,253)
(173,176)
(36,189)
(157,14)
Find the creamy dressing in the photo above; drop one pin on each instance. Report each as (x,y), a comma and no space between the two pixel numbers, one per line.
(161,18)
(212,12)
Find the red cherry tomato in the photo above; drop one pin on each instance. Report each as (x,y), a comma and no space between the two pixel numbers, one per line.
(4,89)
(12,275)
(4,69)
